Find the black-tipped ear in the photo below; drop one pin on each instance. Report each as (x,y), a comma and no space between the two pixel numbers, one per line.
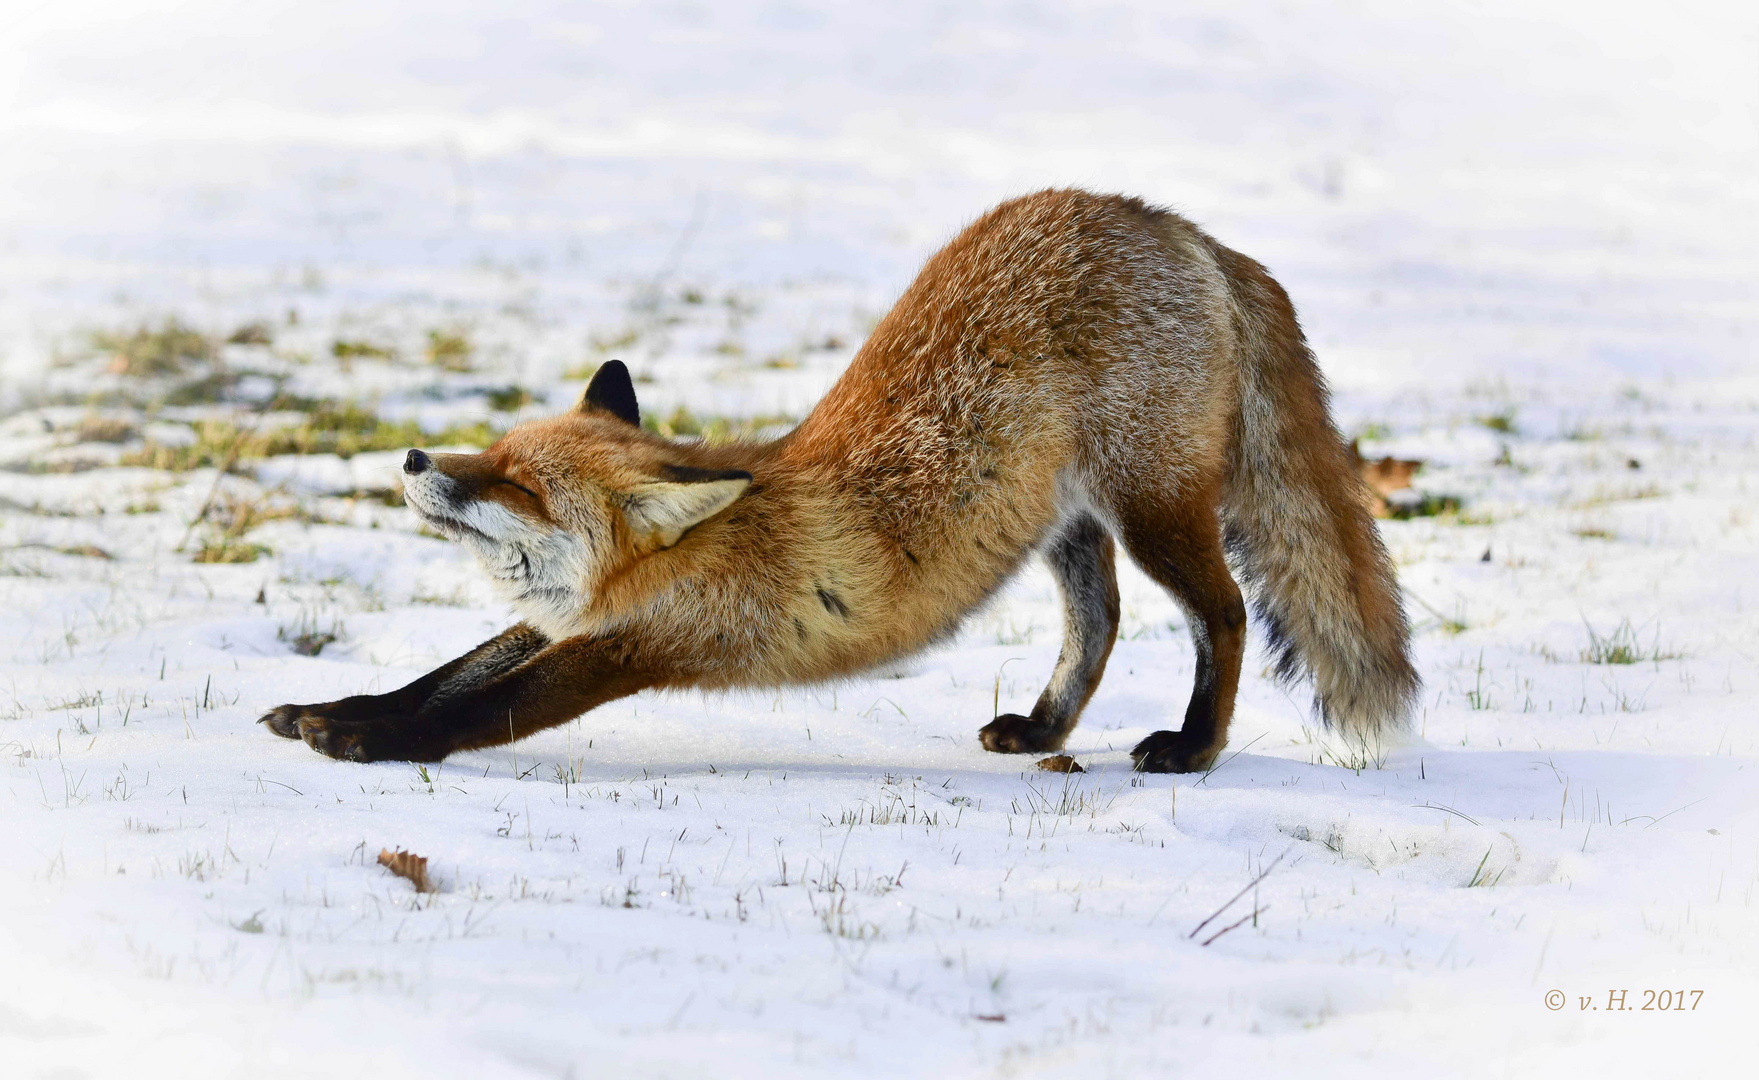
(612,391)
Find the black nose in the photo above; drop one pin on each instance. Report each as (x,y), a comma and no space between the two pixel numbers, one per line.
(416,462)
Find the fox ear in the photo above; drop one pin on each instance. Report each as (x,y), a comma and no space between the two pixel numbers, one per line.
(661,511)
(612,391)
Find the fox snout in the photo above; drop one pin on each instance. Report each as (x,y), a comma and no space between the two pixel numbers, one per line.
(467,494)
(427,489)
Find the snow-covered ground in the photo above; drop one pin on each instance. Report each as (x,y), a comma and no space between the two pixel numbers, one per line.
(1523,237)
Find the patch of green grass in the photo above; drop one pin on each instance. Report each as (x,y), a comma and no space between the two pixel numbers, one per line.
(1356,754)
(684,424)
(1501,421)
(346,349)
(1622,646)
(147,352)
(509,398)
(1428,504)
(253,333)
(449,350)
(306,637)
(229,551)
(106,429)
(1485,876)
(329,427)
(229,518)
(620,339)
(210,389)
(1478,698)
(236,516)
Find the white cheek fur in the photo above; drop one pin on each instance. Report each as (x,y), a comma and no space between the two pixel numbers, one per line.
(545,573)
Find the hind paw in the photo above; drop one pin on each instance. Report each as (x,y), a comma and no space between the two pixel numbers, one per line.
(1173,752)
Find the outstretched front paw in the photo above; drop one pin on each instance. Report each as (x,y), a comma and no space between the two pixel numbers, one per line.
(1173,751)
(1011,733)
(362,740)
(283,720)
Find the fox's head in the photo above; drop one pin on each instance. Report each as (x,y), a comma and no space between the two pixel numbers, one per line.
(558,505)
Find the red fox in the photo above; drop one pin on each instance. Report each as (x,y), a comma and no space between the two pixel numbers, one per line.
(1071,372)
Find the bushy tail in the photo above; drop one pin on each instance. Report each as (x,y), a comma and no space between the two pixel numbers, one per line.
(1298,529)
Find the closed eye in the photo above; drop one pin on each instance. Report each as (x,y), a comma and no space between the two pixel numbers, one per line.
(521,487)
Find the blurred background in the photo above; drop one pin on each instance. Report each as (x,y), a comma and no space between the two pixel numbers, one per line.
(727,194)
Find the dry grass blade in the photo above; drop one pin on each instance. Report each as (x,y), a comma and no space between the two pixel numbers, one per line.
(1235,925)
(1248,887)
(409,866)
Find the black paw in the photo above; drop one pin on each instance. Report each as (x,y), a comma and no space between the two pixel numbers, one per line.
(283,720)
(1011,733)
(1172,751)
(363,740)
(357,740)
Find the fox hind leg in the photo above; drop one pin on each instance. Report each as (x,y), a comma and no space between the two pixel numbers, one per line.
(1082,560)
(1180,547)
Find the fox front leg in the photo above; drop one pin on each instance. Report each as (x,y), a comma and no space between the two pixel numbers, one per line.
(557,684)
(470,672)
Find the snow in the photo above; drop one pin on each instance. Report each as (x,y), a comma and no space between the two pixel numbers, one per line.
(1522,237)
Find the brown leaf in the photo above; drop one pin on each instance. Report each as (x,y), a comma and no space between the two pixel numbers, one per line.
(407,865)
(1060,763)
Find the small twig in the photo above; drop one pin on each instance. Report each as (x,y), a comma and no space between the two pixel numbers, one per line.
(1250,885)
(1241,921)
